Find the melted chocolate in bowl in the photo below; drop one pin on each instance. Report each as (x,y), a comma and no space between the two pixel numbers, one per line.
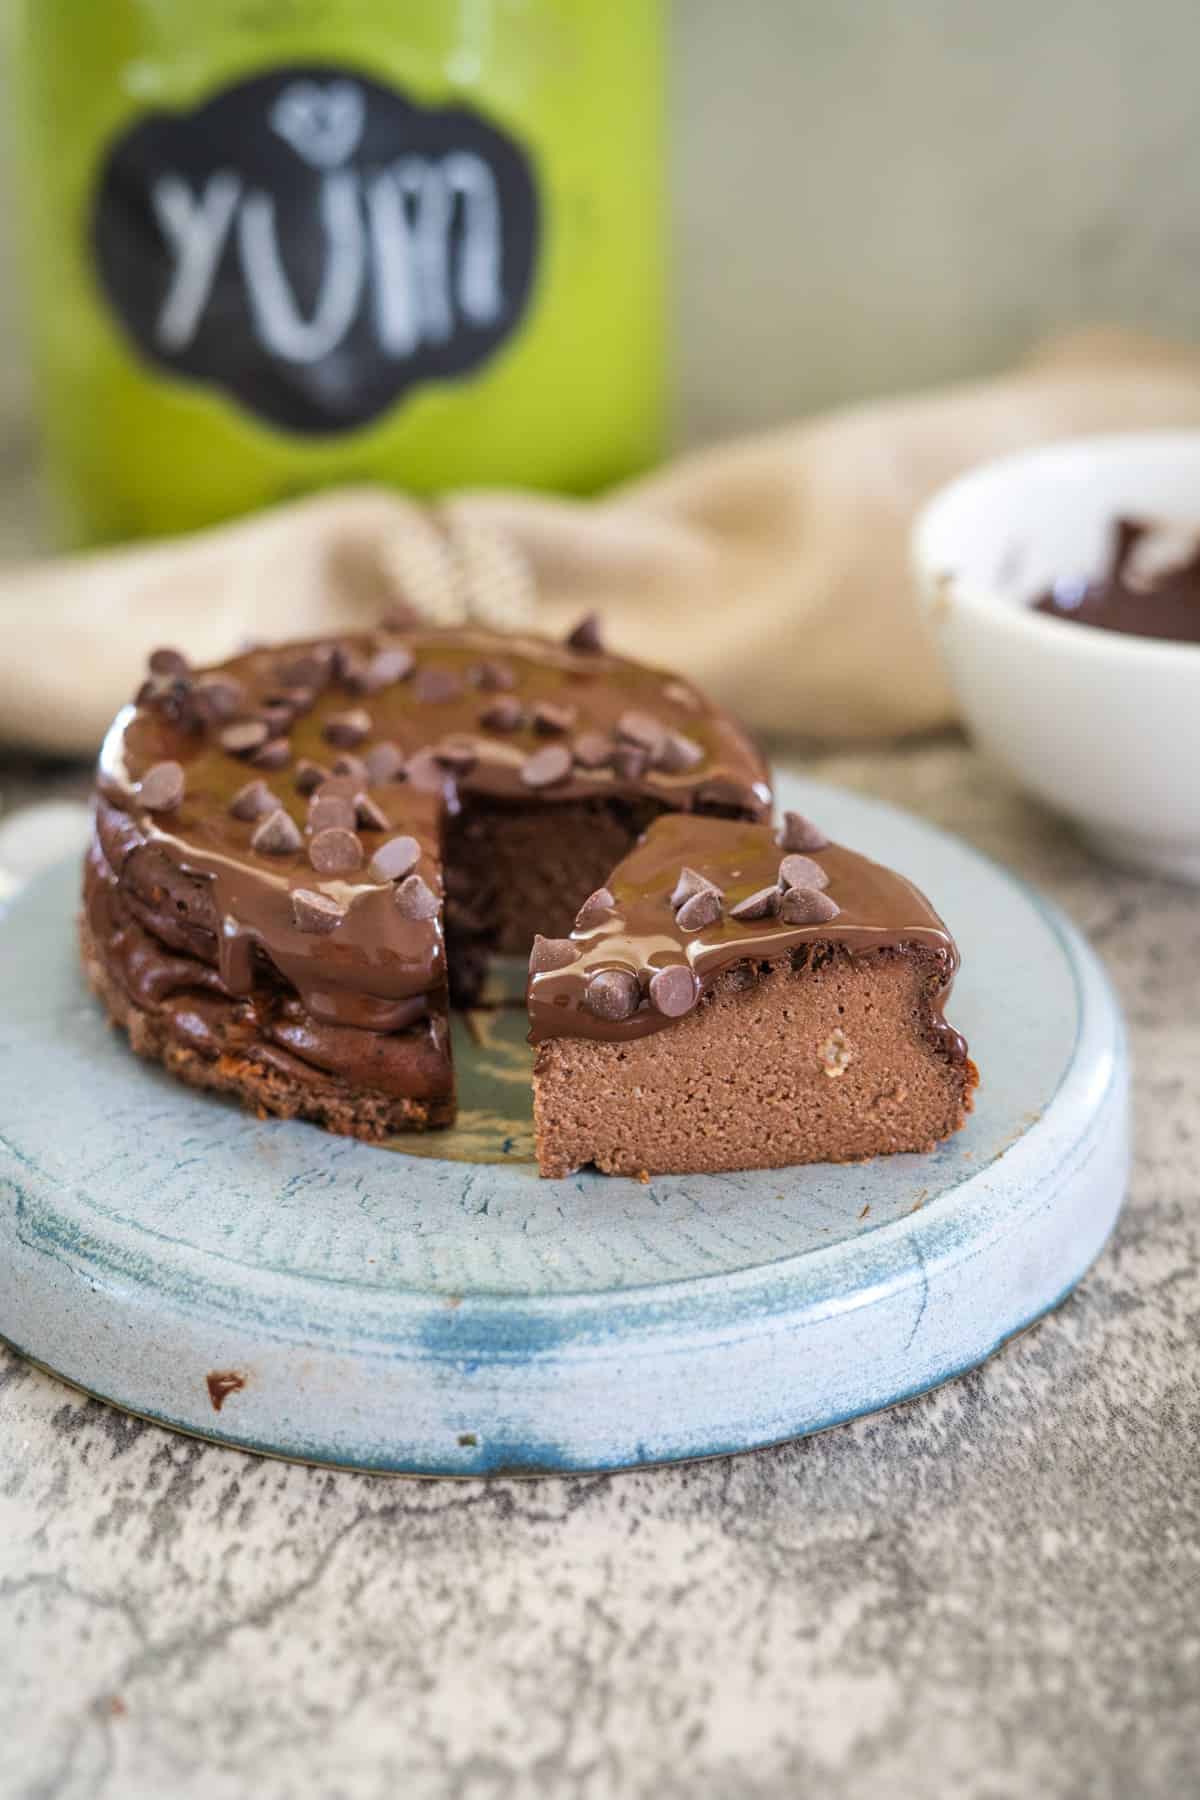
(1150,589)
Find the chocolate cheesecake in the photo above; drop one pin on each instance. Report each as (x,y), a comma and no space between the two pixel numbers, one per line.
(300,856)
(739,997)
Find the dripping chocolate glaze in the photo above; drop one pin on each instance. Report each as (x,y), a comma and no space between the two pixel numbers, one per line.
(365,974)
(367,971)
(411,1061)
(879,910)
(1151,587)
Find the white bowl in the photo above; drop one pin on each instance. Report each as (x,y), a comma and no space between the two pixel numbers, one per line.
(1103,726)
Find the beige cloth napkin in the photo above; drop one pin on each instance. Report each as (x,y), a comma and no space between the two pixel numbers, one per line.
(774,571)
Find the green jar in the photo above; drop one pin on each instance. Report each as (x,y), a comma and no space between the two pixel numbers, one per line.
(276,244)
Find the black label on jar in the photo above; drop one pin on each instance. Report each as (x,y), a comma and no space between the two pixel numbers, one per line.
(315,244)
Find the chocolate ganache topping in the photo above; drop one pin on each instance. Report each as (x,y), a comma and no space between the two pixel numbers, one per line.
(698,895)
(1151,587)
(301,792)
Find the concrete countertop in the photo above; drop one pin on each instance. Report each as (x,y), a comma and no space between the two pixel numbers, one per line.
(990,1591)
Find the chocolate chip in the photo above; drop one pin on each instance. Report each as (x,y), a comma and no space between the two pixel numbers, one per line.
(347,787)
(348,728)
(592,750)
(395,859)
(702,909)
(612,994)
(384,763)
(311,669)
(218,697)
(630,762)
(335,850)
(315,913)
(458,754)
(641,729)
(806,906)
(799,833)
(594,908)
(762,905)
(678,753)
(243,736)
(162,787)
(300,699)
(353,766)
(415,899)
(254,801)
(388,666)
(309,775)
(174,698)
(276,718)
(690,882)
(801,871)
(436,686)
(546,767)
(351,668)
(550,718)
(169,662)
(427,774)
(551,953)
(278,835)
(494,677)
(276,754)
(505,714)
(332,812)
(586,635)
(368,816)
(293,700)
(674,991)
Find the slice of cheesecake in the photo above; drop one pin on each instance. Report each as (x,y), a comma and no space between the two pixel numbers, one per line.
(741,997)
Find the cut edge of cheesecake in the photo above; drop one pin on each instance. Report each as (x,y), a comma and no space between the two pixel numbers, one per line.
(788,1031)
(825,1060)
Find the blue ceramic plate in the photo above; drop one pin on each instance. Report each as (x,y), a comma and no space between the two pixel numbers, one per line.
(270,1286)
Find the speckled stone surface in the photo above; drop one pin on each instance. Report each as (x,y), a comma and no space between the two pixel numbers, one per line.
(989,1592)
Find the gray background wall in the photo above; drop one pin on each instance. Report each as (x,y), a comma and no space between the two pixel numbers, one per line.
(879,193)
(873,194)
